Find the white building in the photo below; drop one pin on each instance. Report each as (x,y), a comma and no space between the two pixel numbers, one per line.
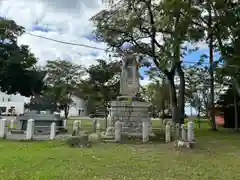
(78,107)
(16,102)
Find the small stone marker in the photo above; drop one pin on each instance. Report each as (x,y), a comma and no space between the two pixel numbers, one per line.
(109,120)
(30,129)
(190,131)
(98,125)
(53,131)
(118,131)
(183,133)
(12,124)
(168,133)
(177,131)
(65,124)
(145,132)
(3,128)
(110,132)
(94,125)
(75,125)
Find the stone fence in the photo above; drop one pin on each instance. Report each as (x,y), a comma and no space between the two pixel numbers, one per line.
(5,131)
(172,132)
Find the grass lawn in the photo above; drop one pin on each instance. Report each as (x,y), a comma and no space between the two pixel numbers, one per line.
(216,156)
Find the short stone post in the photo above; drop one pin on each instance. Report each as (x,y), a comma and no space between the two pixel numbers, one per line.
(3,128)
(118,131)
(75,125)
(94,125)
(30,129)
(109,120)
(190,131)
(98,125)
(53,131)
(65,124)
(145,131)
(177,131)
(12,124)
(183,133)
(168,133)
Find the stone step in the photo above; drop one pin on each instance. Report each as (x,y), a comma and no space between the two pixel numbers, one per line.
(16,131)
(108,137)
(110,141)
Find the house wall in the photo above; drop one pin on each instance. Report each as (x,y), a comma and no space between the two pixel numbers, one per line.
(77,108)
(17,101)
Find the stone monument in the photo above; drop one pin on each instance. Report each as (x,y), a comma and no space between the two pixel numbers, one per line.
(128,109)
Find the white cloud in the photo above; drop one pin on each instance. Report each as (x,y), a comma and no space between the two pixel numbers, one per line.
(145,81)
(66,20)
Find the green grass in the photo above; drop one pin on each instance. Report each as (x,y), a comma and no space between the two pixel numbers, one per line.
(216,156)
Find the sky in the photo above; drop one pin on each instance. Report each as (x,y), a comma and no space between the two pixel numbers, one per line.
(65,21)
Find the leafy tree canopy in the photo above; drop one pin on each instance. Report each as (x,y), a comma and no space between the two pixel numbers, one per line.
(18,72)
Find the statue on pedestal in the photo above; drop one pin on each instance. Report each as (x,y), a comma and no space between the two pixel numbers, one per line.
(129,82)
(130,114)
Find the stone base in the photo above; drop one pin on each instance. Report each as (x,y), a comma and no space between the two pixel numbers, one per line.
(131,114)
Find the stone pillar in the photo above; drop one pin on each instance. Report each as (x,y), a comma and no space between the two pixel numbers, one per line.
(118,131)
(94,125)
(109,120)
(12,124)
(53,131)
(145,131)
(168,133)
(75,125)
(190,131)
(65,124)
(183,133)
(30,129)
(177,131)
(3,128)
(98,125)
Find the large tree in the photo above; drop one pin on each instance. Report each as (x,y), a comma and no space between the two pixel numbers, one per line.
(198,93)
(155,29)
(18,72)
(62,81)
(157,94)
(102,84)
(226,31)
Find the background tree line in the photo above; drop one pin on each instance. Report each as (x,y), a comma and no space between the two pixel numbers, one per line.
(163,31)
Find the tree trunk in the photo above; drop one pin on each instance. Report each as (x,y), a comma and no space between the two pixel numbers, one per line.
(210,35)
(173,97)
(199,121)
(235,109)
(213,123)
(66,111)
(181,94)
(106,113)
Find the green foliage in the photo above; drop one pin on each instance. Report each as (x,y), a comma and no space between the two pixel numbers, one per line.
(155,29)
(102,84)
(62,82)
(157,94)
(17,63)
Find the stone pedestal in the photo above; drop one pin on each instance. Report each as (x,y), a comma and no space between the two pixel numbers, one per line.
(131,114)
